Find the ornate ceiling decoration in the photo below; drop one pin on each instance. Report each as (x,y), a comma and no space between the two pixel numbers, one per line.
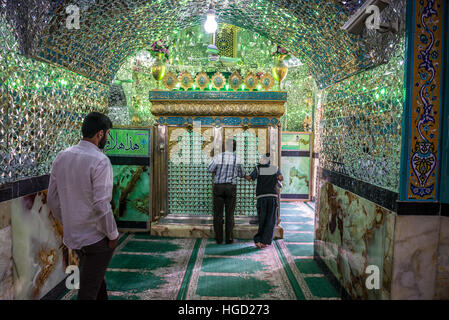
(112,30)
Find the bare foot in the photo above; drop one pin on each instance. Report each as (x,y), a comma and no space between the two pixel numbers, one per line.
(259,245)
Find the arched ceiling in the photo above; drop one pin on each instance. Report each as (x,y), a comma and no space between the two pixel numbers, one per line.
(111,30)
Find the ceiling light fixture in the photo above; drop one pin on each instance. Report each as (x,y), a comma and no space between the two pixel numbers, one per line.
(210,25)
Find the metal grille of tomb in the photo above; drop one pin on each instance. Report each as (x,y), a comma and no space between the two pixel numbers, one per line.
(190,183)
(194,125)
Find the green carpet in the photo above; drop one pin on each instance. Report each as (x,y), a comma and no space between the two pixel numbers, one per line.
(135,282)
(300,249)
(238,271)
(290,273)
(134,261)
(234,249)
(149,247)
(294,219)
(147,236)
(231,265)
(296,212)
(297,227)
(230,286)
(111,297)
(145,267)
(308,266)
(298,237)
(149,267)
(320,287)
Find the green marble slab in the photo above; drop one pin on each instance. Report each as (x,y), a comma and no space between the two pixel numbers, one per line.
(131,192)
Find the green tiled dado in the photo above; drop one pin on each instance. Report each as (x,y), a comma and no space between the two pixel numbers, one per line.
(298,237)
(320,287)
(149,246)
(308,266)
(234,249)
(132,281)
(297,227)
(231,265)
(222,286)
(300,249)
(133,261)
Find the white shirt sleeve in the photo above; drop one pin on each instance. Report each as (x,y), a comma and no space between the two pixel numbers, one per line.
(212,166)
(52,196)
(102,181)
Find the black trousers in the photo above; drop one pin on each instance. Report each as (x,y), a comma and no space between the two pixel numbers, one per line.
(94,260)
(267,208)
(225,196)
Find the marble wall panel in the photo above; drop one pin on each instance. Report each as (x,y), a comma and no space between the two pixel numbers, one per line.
(38,253)
(131,192)
(351,234)
(442,277)
(6,277)
(5,214)
(415,257)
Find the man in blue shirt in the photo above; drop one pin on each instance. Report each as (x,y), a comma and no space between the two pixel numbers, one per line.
(268,178)
(226,167)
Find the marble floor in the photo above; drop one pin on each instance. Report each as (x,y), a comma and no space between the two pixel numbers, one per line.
(151,267)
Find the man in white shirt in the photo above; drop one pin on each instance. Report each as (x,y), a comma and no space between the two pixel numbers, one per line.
(79,196)
(226,167)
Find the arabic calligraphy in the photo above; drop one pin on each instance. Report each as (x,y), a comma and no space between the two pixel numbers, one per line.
(122,143)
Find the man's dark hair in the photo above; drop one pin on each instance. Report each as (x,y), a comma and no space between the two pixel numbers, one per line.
(94,122)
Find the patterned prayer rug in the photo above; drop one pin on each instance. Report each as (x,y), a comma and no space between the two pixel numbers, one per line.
(146,267)
(238,271)
(149,267)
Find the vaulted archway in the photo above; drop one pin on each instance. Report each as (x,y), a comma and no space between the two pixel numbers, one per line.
(110,31)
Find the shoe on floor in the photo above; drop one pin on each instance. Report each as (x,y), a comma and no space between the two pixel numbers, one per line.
(230,241)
